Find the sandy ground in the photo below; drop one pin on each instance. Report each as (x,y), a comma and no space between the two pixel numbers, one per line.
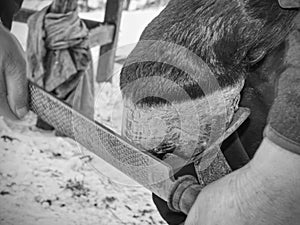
(51,180)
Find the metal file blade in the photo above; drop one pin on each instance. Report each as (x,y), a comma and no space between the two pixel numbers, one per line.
(137,163)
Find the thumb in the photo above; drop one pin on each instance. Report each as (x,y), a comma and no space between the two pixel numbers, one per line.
(17,85)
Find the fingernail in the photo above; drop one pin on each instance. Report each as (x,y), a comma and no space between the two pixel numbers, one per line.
(22,112)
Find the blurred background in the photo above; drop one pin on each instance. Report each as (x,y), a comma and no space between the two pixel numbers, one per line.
(90,5)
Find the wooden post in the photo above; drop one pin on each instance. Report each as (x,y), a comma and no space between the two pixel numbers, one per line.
(107,52)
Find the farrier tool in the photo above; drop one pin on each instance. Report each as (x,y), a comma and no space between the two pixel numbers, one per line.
(137,163)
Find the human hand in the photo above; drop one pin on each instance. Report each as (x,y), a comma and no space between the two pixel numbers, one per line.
(13,81)
(264,192)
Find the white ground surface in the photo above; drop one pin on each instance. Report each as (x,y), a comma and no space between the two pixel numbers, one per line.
(49,180)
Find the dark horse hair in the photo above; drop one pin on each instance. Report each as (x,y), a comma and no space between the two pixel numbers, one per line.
(229,35)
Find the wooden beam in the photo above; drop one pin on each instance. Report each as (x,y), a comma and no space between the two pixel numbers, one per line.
(23,15)
(99,34)
(107,52)
(127,4)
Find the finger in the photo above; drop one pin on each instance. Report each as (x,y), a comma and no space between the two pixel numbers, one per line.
(5,109)
(287,4)
(16,84)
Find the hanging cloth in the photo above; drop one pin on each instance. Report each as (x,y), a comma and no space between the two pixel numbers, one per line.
(59,58)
